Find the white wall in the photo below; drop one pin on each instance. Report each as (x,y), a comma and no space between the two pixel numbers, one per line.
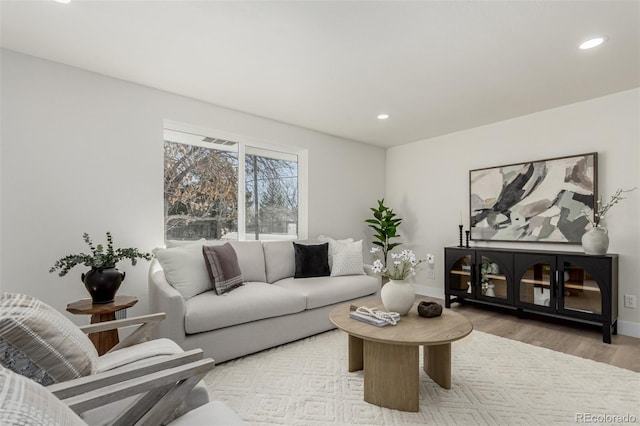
(428,181)
(83,152)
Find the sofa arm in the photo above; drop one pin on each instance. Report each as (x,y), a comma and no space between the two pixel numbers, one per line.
(164,298)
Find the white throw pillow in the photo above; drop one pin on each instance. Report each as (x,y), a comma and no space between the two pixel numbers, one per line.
(347,259)
(185,269)
(332,245)
(182,243)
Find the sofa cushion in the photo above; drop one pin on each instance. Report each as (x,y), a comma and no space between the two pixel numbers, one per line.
(182,243)
(251,302)
(251,260)
(39,342)
(279,258)
(347,259)
(185,269)
(222,265)
(323,291)
(311,260)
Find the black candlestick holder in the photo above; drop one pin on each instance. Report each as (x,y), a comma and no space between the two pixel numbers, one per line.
(467,235)
(460,231)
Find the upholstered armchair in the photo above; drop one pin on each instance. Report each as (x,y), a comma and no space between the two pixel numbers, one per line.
(40,343)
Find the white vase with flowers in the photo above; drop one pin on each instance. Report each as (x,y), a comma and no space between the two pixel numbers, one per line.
(398,294)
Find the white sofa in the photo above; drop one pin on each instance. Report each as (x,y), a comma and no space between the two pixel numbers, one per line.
(270,309)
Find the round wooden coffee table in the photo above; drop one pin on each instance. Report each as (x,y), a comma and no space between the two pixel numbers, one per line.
(390,355)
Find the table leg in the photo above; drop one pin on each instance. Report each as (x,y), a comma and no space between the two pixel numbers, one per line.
(391,376)
(104,340)
(355,353)
(437,364)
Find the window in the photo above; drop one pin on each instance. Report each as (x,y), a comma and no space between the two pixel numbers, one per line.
(230,188)
(271,187)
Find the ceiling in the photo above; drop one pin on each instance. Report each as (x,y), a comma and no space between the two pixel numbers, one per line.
(435,66)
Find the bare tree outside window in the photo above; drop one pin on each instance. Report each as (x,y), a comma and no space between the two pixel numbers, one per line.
(200,192)
(272,197)
(201,186)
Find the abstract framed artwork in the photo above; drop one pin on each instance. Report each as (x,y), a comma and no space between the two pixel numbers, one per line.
(540,201)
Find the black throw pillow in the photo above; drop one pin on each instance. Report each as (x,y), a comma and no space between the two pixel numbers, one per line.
(312,260)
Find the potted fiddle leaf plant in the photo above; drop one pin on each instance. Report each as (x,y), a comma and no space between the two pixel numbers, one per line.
(385,224)
(104,279)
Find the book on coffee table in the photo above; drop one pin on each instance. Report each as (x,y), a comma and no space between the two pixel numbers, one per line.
(366,318)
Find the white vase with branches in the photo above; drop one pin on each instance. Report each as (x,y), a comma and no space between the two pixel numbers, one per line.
(596,240)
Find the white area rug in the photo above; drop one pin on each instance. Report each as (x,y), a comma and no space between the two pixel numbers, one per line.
(495,381)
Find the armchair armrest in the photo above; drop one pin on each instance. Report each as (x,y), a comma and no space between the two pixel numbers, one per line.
(141,334)
(112,325)
(161,393)
(100,380)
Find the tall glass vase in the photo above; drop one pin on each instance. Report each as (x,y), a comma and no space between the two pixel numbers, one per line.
(398,296)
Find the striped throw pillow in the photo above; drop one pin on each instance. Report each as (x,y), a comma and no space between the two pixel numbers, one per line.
(224,269)
(40,343)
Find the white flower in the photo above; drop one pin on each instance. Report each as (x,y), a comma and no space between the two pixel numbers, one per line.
(404,264)
(374,250)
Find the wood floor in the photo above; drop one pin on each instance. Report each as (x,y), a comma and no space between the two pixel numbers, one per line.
(575,339)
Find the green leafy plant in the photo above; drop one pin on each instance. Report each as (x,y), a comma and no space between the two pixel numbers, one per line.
(99,257)
(385,224)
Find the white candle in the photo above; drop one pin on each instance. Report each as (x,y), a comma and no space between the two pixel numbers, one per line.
(460,217)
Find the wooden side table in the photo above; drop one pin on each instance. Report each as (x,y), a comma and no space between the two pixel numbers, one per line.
(104,340)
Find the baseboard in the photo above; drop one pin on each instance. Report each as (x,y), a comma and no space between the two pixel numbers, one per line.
(625,328)
(628,328)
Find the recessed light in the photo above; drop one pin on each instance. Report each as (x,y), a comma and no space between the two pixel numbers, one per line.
(383,116)
(63,1)
(594,42)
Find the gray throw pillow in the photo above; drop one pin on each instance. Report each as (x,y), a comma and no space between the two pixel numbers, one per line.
(224,269)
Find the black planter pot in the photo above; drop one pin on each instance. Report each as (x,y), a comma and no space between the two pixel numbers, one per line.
(103,283)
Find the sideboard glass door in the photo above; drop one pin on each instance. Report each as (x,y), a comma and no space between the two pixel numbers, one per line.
(536,285)
(581,291)
(493,281)
(460,275)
